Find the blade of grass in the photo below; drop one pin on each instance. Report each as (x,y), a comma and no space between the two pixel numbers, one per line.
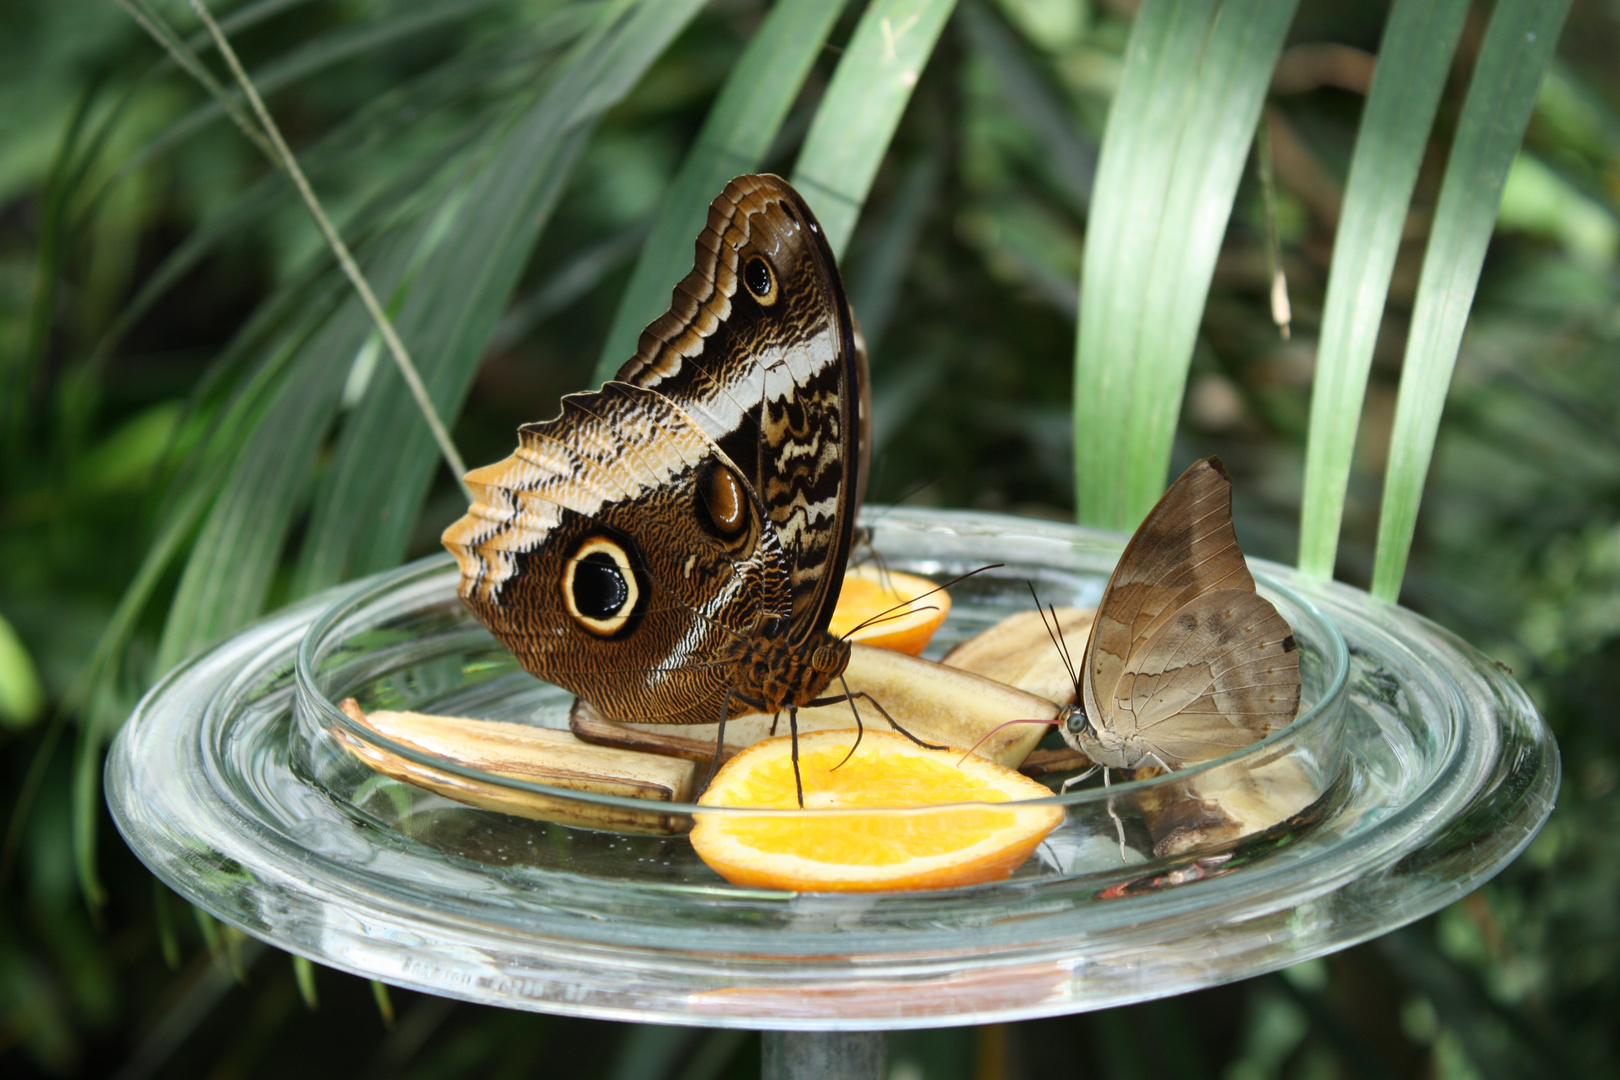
(1501,96)
(393,114)
(351,270)
(321,53)
(1413,60)
(382,465)
(21,364)
(857,118)
(181,53)
(735,137)
(874,288)
(1173,152)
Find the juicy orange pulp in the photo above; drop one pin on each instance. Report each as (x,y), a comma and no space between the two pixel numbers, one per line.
(894,850)
(870,591)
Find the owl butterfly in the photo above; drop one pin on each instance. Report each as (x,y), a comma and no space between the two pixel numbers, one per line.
(670,548)
(1185,662)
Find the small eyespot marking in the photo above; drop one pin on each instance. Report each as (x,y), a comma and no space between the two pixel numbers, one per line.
(761,280)
(599,586)
(721,502)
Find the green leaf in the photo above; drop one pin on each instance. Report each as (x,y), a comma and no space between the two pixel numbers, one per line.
(228,574)
(1413,60)
(367,506)
(862,108)
(736,134)
(1178,134)
(1501,96)
(304,975)
(22,698)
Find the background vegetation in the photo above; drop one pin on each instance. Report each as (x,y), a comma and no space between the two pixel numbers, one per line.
(192,406)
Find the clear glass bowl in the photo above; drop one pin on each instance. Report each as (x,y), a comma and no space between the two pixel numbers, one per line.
(1415,771)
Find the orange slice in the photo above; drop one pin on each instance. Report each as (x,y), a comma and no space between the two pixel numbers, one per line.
(870,591)
(933,847)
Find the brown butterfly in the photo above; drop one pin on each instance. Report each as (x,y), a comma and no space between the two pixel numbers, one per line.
(671,547)
(1185,662)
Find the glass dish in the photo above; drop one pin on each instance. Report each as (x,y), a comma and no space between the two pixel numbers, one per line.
(1424,770)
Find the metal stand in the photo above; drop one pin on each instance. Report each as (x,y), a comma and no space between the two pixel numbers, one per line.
(824,1055)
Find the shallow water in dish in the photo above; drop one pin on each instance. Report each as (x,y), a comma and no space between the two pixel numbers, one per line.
(228,784)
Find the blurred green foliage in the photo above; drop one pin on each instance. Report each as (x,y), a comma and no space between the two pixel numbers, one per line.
(169,322)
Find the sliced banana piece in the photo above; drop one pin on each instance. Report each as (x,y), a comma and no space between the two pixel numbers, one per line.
(938,704)
(523,752)
(1019,651)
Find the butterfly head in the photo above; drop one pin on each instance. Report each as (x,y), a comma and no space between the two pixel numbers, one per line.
(1077,730)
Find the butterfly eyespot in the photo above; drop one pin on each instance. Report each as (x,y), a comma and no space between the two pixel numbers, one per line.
(722,503)
(599,587)
(760,279)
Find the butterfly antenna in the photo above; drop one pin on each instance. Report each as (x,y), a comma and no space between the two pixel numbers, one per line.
(889,613)
(1053,629)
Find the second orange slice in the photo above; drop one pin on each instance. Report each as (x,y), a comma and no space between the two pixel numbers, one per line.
(870,592)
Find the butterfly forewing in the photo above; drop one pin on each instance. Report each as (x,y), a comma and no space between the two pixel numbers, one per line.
(759,347)
(1185,546)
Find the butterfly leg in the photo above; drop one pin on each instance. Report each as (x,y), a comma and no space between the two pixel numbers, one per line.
(719,743)
(1119,826)
(793,730)
(849,696)
(1082,777)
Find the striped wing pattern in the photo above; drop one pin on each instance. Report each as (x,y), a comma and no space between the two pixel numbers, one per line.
(677,538)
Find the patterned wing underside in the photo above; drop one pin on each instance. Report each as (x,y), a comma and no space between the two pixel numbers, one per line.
(1219,675)
(775,386)
(621,462)
(1185,546)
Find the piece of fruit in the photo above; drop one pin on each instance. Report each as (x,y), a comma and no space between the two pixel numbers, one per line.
(503,751)
(933,847)
(870,591)
(938,704)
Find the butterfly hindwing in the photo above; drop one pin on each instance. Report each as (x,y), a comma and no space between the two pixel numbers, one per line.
(1219,675)
(615,553)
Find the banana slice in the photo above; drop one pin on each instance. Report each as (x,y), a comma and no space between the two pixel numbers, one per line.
(523,752)
(938,704)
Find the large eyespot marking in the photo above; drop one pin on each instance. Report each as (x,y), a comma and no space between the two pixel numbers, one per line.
(722,504)
(760,279)
(599,586)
